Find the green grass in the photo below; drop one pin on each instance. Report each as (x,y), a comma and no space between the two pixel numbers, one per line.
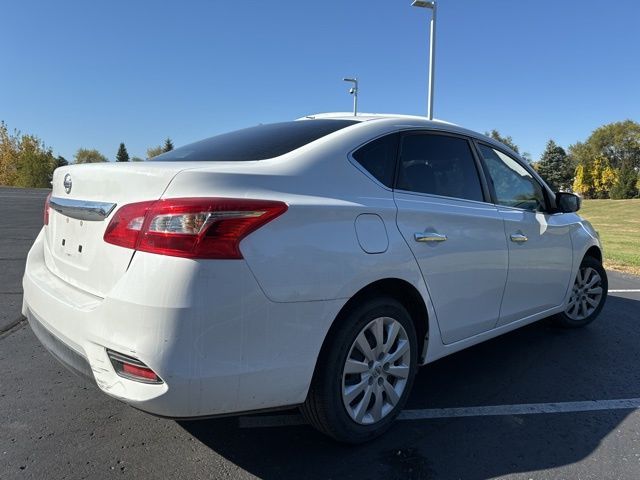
(618,223)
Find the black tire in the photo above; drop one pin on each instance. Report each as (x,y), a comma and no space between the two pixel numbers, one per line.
(563,319)
(324,407)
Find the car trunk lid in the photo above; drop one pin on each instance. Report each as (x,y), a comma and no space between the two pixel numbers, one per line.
(83,200)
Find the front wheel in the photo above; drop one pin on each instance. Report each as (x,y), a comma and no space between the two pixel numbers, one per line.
(588,295)
(365,372)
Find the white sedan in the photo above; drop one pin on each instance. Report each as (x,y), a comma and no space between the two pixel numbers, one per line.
(313,263)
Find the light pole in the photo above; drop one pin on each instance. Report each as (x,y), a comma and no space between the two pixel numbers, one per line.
(353,91)
(432,51)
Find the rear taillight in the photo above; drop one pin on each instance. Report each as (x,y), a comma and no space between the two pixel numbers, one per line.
(190,227)
(46,210)
(126,225)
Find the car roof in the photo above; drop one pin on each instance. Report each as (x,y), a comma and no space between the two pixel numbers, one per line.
(409,121)
(363,117)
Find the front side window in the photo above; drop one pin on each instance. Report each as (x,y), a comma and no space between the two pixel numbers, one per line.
(439,165)
(255,143)
(513,184)
(379,158)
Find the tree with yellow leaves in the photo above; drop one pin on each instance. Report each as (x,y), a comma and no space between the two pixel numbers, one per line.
(604,177)
(24,160)
(595,179)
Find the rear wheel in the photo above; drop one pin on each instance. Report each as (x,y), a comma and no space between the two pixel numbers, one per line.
(588,295)
(364,373)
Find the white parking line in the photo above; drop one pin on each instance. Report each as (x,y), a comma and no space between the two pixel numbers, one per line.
(495,410)
(628,290)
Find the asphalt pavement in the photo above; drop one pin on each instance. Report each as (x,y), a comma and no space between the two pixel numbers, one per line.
(584,386)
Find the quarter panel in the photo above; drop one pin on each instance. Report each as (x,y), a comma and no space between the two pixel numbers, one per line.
(313,253)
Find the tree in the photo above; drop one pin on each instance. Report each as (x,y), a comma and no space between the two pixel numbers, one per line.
(122,155)
(583,183)
(602,177)
(24,159)
(626,185)
(9,152)
(84,155)
(618,142)
(508,141)
(555,166)
(168,145)
(35,163)
(137,159)
(155,151)
(61,161)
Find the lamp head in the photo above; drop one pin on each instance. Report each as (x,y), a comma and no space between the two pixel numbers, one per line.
(423,4)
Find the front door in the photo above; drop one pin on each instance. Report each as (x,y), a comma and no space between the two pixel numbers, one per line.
(540,249)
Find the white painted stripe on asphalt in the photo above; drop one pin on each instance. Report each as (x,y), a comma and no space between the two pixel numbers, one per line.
(461,412)
(628,290)
(26,195)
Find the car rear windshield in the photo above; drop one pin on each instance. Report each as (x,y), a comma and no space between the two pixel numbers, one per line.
(255,143)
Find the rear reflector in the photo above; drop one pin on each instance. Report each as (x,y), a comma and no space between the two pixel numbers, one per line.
(132,368)
(46,210)
(190,227)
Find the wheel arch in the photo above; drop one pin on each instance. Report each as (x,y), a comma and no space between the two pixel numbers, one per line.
(404,292)
(594,252)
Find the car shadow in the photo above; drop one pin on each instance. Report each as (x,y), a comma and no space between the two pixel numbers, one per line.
(539,363)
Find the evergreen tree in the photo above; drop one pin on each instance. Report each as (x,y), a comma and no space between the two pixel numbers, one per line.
(626,185)
(122,155)
(168,145)
(555,166)
(508,141)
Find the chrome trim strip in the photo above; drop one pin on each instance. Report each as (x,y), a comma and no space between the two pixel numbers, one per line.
(82,209)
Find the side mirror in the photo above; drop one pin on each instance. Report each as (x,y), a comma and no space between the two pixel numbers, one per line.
(567,202)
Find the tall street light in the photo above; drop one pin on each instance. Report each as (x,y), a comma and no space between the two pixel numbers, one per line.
(353,91)
(432,51)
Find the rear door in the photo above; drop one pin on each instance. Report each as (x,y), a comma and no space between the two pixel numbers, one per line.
(456,236)
(540,249)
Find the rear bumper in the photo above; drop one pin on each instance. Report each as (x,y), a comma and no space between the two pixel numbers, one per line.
(74,361)
(205,328)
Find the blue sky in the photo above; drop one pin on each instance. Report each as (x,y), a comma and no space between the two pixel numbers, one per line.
(93,74)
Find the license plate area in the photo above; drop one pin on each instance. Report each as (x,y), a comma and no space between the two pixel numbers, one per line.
(72,239)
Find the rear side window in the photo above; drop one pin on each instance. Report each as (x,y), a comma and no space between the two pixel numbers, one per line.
(439,165)
(379,158)
(255,143)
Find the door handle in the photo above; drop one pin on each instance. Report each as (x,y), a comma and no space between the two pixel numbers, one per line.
(429,237)
(518,238)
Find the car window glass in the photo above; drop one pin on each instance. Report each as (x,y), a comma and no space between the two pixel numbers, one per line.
(513,184)
(379,158)
(439,165)
(255,143)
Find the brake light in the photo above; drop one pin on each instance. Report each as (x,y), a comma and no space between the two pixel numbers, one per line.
(125,226)
(46,210)
(190,227)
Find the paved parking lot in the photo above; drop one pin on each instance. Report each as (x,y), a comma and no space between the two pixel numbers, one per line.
(584,424)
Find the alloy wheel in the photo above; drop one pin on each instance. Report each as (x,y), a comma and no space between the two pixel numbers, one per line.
(586,294)
(376,370)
